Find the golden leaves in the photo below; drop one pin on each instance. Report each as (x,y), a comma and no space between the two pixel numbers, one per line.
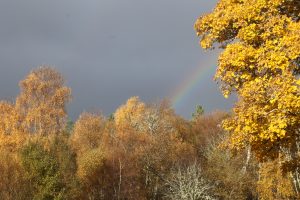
(87,132)
(89,164)
(42,102)
(130,114)
(40,108)
(261,63)
(267,112)
(272,184)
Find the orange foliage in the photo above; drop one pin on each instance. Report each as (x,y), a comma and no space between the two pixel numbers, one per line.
(87,132)
(42,102)
(10,134)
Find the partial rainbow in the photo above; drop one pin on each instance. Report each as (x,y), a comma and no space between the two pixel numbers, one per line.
(192,80)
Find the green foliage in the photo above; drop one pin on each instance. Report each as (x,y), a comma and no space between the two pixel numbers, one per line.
(50,173)
(111,117)
(69,126)
(66,159)
(42,172)
(198,112)
(90,163)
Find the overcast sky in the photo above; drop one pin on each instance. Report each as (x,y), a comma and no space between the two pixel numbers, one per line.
(109,50)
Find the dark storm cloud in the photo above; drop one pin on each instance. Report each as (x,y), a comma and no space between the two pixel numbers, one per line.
(108,50)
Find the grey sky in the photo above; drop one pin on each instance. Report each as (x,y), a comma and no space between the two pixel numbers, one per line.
(108,50)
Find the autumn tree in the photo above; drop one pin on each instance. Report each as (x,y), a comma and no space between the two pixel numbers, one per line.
(10,132)
(91,173)
(42,101)
(86,140)
(260,62)
(142,117)
(130,141)
(42,159)
(129,115)
(143,131)
(9,118)
(13,184)
(87,132)
(146,142)
(205,128)
(225,169)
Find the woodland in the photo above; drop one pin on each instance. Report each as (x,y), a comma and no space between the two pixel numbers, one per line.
(145,150)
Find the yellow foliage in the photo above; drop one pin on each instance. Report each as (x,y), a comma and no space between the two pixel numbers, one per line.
(261,62)
(266,115)
(87,132)
(11,136)
(42,102)
(9,118)
(272,184)
(90,164)
(13,184)
(130,114)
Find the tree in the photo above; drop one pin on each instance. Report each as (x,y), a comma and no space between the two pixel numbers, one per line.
(49,168)
(42,101)
(42,172)
(129,115)
(138,116)
(147,141)
(189,184)
(13,184)
(58,146)
(261,62)
(204,129)
(198,112)
(87,132)
(10,133)
(226,169)
(91,171)
(8,118)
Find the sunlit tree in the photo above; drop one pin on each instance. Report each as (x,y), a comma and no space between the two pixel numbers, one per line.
(129,115)
(260,62)
(11,135)
(42,101)
(87,132)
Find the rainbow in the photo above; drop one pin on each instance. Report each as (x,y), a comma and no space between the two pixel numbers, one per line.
(192,80)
